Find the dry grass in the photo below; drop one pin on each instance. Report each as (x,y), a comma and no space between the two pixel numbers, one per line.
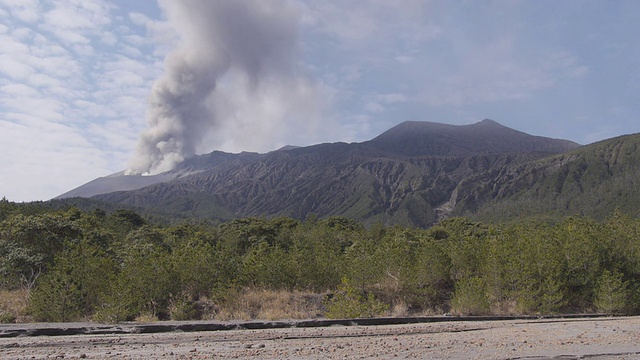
(400,309)
(13,306)
(259,304)
(506,307)
(146,318)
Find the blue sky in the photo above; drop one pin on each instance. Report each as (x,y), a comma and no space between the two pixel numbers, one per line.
(75,77)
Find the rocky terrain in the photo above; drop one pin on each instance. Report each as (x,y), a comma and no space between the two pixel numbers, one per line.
(602,338)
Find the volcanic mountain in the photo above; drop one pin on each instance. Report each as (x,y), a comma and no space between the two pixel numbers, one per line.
(415,173)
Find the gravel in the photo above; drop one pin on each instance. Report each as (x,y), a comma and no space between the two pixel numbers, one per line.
(602,338)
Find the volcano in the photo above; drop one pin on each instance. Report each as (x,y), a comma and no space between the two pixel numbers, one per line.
(411,174)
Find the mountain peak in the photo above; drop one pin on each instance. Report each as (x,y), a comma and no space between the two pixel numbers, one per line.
(488,122)
(421,138)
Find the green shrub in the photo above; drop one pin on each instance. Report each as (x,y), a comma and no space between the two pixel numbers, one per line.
(612,293)
(183,309)
(551,297)
(114,309)
(6,317)
(147,282)
(470,297)
(74,286)
(348,302)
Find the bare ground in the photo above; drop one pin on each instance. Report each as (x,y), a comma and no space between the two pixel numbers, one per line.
(602,338)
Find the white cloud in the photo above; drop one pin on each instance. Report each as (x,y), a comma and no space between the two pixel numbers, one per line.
(43,81)
(21,33)
(23,10)
(16,89)
(67,18)
(365,24)
(116,135)
(42,108)
(75,22)
(160,31)
(140,19)
(492,70)
(373,107)
(80,15)
(72,94)
(14,69)
(136,40)
(352,126)
(10,45)
(41,160)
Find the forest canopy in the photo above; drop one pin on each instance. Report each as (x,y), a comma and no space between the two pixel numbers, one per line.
(93,265)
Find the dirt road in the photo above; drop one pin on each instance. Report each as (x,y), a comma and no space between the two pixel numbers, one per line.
(604,338)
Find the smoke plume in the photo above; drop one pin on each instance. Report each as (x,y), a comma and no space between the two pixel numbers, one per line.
(228,50)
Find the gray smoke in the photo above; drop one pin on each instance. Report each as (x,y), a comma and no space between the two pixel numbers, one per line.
(251,42)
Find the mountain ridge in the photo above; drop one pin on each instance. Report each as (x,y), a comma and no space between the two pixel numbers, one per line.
(463,140)
(415,138)
(415,173)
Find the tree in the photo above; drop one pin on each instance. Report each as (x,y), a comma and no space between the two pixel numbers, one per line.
(349,302)
(427,279)
(552,298)
(363,263)
(317,254)
(470,297)
(75,285)
(147,282)
(195,266)
(612,293)
(580,244)
(29,243)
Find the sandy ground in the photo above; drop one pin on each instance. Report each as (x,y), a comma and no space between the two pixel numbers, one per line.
(604,338)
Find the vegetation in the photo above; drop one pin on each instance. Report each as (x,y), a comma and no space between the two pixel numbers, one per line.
(66,265)
(593,181)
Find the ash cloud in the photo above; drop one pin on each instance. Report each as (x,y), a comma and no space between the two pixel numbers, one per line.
(228,49)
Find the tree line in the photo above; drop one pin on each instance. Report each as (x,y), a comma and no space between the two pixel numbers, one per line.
(118,266)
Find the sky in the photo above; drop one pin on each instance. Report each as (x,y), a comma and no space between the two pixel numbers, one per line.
(85,84)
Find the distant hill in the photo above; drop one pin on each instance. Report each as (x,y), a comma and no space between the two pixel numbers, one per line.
(414,174)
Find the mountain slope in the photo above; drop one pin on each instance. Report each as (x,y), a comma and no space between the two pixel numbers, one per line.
(121,182)
(593,180)
(115,182)
(408,175)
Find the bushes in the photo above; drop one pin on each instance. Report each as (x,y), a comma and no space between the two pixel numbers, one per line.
(13,305)
(147,281)
(183,308)
(248,304)
(349,302)
(75,286)
(612,293)
(114,268)
(470,297)
(552,297)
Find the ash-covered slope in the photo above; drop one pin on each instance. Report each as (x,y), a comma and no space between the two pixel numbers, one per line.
(409,175)
(121,182)
(115,182)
